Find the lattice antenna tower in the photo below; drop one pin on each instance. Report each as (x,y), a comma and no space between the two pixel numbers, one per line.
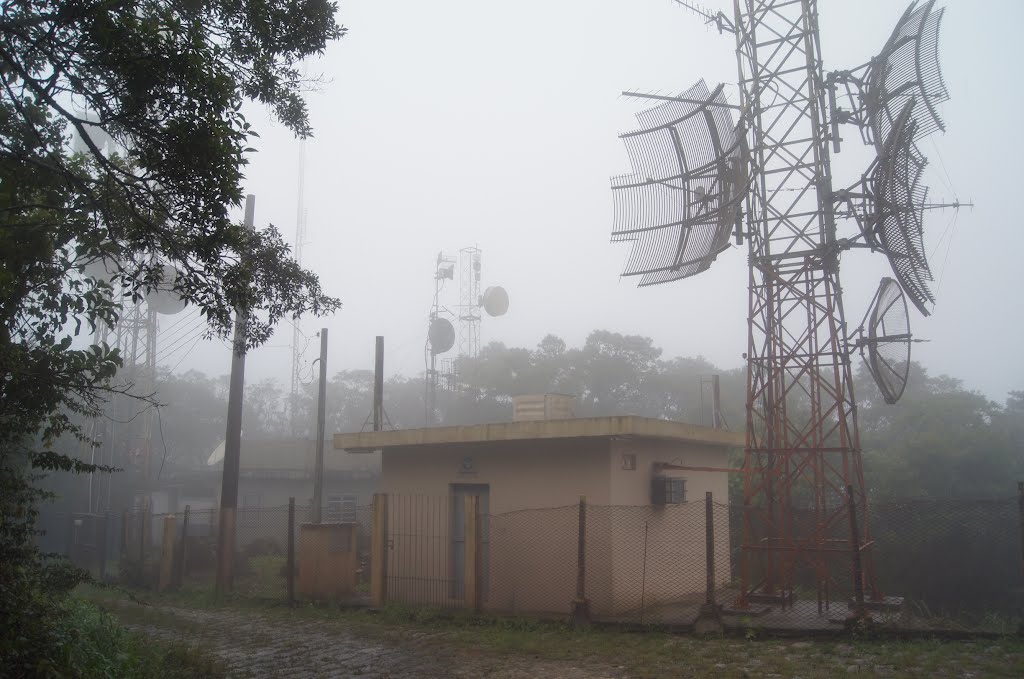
(126,435)
(699,178)
(469,302)
(299,341)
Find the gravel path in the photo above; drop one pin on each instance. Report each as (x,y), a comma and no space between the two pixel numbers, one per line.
(255,645)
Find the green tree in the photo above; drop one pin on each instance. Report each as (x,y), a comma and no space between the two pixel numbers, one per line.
(164,81)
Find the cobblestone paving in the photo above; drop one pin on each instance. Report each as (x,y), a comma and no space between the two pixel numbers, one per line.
(253,645)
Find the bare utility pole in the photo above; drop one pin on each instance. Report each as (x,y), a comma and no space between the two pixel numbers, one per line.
(233,439)
(378,385)
(318,469)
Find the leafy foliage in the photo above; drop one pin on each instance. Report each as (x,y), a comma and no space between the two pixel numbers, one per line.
(151,92)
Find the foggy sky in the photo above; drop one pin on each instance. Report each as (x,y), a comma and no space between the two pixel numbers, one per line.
(456,123)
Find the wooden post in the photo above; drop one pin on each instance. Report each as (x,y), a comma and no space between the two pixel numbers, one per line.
(167,553)
(379,551)
(101,547)
(580,615)
(709,619)
(143,520)
(124,535)
(69,545)
(709,549)
(291,551)
(182,557)
(1020,508)
(472,577)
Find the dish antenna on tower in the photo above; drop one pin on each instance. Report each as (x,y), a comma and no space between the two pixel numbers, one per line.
(885,337)
(495,301)
(163,298)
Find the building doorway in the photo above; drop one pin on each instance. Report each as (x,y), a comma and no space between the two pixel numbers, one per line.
(459,493)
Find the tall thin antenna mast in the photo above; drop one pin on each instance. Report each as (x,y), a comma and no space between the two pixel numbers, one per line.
(298,345)
(469,302)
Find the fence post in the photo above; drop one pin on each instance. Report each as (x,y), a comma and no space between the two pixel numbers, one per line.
(291,551)
(124,535)
(379,551)
(859,611)
(179,574)
(143,520)
(101,553)
(473,561)
(709,619)
(167,549)
(580,615)
(69,545)
(1020,509)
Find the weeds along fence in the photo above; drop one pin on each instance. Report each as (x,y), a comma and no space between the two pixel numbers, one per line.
(926,566)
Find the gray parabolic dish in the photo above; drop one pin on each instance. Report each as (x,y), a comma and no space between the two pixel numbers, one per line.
(889,341)
(101,269)
(163,299)
(495,301)
(441,335)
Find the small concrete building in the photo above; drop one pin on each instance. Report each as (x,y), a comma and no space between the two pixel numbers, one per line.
(644,481)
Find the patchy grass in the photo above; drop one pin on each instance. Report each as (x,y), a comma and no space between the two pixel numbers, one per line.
(96,644)
(641,655)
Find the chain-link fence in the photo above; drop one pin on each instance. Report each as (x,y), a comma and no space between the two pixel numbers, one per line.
(179,551)
(925,566)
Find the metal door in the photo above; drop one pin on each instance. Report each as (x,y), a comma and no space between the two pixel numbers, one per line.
(459,492)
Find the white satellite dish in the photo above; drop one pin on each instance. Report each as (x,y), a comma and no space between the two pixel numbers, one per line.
(101,269)
(163,299)
(495,301)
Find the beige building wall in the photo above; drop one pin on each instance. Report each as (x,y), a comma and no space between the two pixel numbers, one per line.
(531,543)
(657,554)
(636,554)
(535,475)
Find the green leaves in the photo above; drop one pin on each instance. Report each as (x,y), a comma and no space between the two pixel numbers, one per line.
(149,93)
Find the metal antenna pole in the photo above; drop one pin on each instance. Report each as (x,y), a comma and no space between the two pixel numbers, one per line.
(233,440)
(297,337)
(378,385)
(318,468)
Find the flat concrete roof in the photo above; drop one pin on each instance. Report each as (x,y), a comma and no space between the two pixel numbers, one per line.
(582,427)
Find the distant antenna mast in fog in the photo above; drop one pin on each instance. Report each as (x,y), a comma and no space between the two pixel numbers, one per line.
(299,341)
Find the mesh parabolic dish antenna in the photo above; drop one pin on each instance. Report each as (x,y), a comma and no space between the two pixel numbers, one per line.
(441,335)
(163,299)
(679,204)
(907,72)
(888,340)
(495,301)
(897,207)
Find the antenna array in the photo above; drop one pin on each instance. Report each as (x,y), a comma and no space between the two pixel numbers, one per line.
(697,177)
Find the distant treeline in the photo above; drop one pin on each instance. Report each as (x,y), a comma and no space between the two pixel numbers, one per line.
(940,440)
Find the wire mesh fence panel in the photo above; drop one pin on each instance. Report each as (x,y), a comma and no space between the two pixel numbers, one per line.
(199,544)
(925,565)
(647,564)
(260,560)
(531,561)
(425,552)
(952,564)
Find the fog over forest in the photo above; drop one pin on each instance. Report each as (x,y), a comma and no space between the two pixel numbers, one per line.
(940,440)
